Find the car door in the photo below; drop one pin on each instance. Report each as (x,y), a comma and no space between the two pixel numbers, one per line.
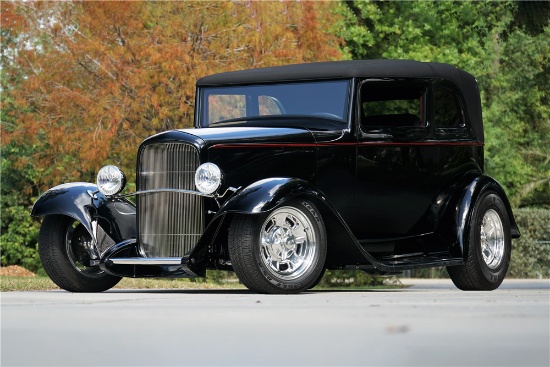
(395,162)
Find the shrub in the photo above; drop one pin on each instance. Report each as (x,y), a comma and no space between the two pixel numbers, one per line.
(531,252)
(19,237)
(349,278)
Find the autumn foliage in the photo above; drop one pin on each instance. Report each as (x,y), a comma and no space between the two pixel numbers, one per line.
(94,79)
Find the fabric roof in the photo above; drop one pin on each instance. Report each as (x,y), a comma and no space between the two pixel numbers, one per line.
(464,81)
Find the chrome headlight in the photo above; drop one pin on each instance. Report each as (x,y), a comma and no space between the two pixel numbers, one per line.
(110,180)
(208,178)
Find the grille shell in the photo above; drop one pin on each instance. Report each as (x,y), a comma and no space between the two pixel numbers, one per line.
(169,224)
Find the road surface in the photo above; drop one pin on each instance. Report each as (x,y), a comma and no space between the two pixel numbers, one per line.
(429,324)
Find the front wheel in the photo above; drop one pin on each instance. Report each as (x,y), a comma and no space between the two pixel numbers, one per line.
(282,251)
(62,248)
(488,244)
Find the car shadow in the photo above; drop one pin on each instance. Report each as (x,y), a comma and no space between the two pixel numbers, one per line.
(246,291)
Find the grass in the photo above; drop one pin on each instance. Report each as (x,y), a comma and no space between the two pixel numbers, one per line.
(148,283)
(11,283)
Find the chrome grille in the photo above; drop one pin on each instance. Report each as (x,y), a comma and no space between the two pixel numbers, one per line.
(169,224)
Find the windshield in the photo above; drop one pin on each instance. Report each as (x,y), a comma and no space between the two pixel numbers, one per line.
(239,104)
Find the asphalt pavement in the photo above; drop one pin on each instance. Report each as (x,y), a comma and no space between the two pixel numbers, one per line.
(431,323)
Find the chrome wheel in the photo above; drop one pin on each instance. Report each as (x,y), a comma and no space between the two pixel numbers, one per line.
(492,239)
(282,251)
(488,245)
(288,244)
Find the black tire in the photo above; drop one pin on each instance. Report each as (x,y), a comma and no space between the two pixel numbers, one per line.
(263,264)
(485,272)
(318,280)
(60,250)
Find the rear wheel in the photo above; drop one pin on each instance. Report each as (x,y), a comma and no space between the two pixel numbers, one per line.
(488,244)
(318,280)
(282,251)
(62,248)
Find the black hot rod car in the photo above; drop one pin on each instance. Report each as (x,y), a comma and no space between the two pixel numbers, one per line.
(373,165)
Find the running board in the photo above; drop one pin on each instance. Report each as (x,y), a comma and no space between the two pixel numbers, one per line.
(147,261)
(417,262)
(144,267)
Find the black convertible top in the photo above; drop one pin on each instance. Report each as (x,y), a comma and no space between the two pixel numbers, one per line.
(464,81)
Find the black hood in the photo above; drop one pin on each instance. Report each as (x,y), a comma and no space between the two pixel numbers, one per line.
(244,135)
(248,154)
(209,137)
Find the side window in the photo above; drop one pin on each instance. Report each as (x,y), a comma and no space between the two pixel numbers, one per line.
(392,105)
(447,109)
(226,106)
(269,106)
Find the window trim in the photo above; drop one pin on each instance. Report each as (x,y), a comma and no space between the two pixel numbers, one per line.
(425,117)
(202,105)
(462,106)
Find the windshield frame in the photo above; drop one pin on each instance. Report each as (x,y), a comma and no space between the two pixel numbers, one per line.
(202,93)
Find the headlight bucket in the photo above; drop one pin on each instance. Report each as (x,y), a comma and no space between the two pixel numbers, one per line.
(208,178)
(110,180)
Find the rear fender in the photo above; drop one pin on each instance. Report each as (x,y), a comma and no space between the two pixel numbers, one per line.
(464,210)
(108,220)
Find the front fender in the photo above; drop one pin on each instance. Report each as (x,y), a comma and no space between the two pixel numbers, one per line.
(465,209)
(264,196)
(82,202)
(267,194)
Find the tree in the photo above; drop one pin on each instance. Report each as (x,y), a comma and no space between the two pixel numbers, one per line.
(84,83)
(494,42)
(18,233)
(101,77)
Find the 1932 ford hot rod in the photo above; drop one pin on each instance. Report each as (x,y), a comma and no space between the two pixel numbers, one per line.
(375,165)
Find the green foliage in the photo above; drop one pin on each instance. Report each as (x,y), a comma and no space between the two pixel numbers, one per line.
(430,273)
(221,277)
(82,84)
(18,231)
(19,238)
(518,138)
(331,279)
(531,252)
(504,44)
(349,278)
(494,41)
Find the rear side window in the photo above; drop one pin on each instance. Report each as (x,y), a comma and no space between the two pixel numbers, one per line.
(392,105)
(447,108)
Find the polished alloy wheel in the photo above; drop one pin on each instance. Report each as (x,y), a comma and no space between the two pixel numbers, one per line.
(488,242)
(288,243)
(492,239)
(279,252)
